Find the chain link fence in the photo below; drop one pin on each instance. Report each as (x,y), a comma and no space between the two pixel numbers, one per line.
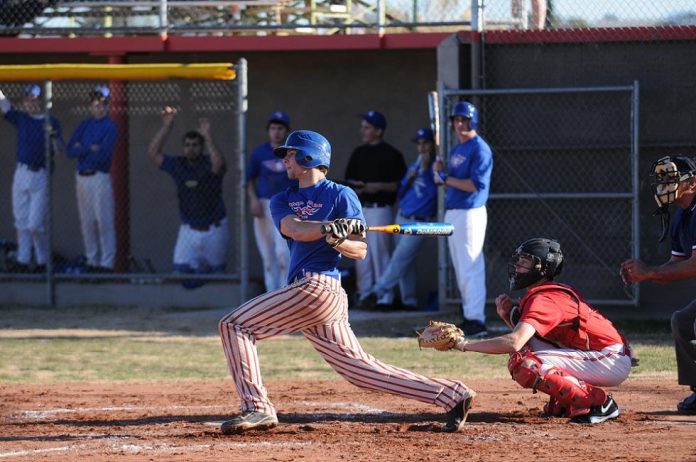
(262,17)
(138,194)
(565,167)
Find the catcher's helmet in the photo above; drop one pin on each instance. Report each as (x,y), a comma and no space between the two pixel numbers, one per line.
(546,258)
(313,150)
(468,110)
(669,172)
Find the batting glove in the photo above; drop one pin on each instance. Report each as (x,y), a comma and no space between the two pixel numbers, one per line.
(355,226)
(335,233)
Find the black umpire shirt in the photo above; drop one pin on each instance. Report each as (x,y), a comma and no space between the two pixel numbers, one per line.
(376,163)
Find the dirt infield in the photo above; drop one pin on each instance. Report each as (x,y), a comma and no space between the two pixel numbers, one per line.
(326,421)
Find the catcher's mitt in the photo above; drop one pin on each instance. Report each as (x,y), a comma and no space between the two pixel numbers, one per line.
(439,335)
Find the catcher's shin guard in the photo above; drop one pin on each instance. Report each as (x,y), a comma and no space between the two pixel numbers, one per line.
(568,393)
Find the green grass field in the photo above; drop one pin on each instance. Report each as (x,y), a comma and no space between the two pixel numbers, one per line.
(79,355)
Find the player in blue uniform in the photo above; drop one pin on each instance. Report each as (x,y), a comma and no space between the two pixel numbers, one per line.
(314,302)
(92,144)
(417,203)
(266,177)
(676,184)
(204,234)
(30,182)
(468,184)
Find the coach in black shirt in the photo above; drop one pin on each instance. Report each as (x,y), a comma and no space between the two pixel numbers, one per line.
(374,171)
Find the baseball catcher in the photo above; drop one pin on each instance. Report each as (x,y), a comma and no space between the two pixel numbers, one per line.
(559,345)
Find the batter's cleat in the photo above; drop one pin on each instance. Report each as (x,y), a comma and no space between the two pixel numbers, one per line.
(456,417)
(249,421)
(599,414)
(474,329)
(688,405)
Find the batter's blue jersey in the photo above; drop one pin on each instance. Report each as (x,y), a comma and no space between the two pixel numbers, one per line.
(472,160)
(325,201)
(268,171)
(684,231)
(31,143)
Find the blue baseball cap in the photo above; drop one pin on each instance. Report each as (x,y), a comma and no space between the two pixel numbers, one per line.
(101,92)
(33,90)
(279,117)
(424,134)
(375,118)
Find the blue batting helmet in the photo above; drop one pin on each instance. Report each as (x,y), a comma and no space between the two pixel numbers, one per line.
(313,150)
(468,110)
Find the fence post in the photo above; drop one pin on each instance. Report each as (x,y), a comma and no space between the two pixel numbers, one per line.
(635,129)
(163,19)
(380,17)
(241,80)
(48,154)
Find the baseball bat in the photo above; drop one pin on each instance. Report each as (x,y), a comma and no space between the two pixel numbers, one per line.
(434,113)
(409,229)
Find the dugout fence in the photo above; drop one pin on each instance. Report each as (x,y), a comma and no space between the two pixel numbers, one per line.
(565,167)
(146,214)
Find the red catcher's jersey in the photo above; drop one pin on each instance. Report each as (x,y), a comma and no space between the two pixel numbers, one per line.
(558,313)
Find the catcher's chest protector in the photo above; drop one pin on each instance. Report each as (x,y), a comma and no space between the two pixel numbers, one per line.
(579,324)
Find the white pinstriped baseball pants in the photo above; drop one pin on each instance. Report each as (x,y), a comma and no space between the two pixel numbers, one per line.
(317,306)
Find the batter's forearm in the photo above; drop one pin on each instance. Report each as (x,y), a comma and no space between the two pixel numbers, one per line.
(462,184)
(355,250)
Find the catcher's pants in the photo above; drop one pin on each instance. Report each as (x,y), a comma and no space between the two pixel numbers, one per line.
(273,249)
(30,208)
(605,368)
(202,251)
(95,201)
(317,306)
(466,252)
(378,246)
(683,332)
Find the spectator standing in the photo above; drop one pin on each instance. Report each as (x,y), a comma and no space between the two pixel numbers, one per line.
(417,203)
(266,176)
(30,182)
(468,185)
(374,171)
(92,144)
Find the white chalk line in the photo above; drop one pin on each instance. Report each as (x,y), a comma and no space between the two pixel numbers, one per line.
(48,413)
(160,448)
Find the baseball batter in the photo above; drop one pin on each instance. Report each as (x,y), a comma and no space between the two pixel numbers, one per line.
(204,235)
(314,302)
(559,345)
(266,177)
(30,182)
(468,185)
(92,144)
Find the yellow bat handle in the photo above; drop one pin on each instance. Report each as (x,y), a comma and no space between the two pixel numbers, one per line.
(396,229)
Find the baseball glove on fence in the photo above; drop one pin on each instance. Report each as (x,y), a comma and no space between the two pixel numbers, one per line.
(439,335)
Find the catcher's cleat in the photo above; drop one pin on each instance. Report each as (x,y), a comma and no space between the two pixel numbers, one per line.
(474,329)
(598,414)
(456,417)
(249,421)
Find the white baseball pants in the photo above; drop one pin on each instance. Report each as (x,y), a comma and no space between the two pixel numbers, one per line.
(466,253)
(273,249)
(378,245)
(606,368)
(30,208)
(203,250)
(317,306)
(95,202)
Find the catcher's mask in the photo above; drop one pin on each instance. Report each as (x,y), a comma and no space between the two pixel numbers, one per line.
(534,260)
(669,173)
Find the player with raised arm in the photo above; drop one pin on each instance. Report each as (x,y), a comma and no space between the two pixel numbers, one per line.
(204,235)
(314,302)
